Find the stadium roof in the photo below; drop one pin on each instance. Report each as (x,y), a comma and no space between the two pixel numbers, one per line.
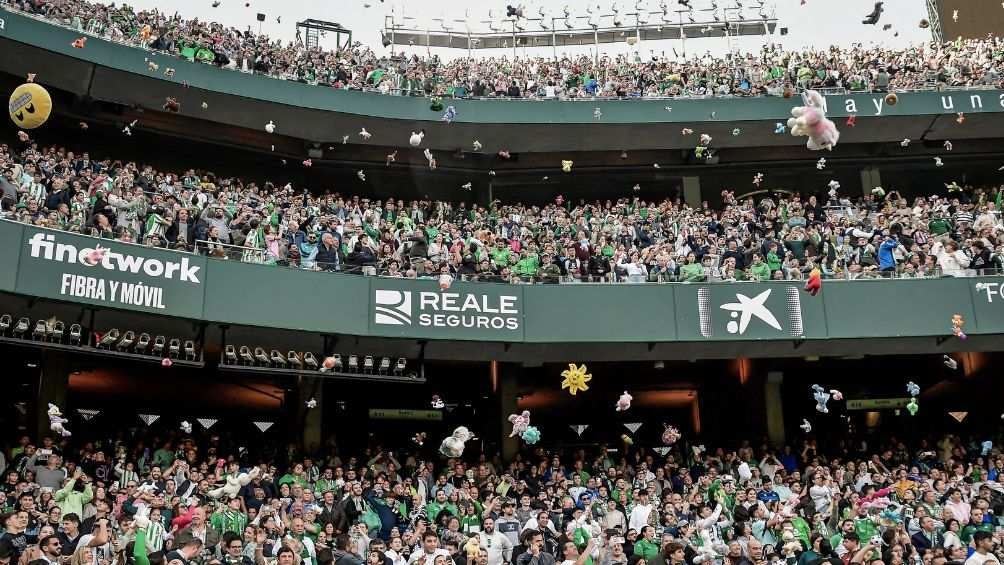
(559,30)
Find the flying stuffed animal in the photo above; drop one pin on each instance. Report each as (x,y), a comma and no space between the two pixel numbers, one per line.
(56,421)
(814,283)
(810,120)
(624,402)
(821,397)
(519,423)
(670,435)
(453,446)
(234,484)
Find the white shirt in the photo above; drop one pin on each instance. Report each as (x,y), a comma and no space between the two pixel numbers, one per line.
(639,517)
(978,559)
(498,546)
(428,559)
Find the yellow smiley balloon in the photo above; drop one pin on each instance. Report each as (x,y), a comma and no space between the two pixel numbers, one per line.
(30,105)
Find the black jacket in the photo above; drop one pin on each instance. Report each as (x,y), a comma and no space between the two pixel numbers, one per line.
(330,259)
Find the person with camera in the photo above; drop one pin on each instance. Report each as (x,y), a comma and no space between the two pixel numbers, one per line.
(534,553)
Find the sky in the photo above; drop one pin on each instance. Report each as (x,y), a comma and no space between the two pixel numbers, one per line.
(818,23)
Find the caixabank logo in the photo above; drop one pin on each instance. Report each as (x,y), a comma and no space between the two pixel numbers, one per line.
(753,313)
(446,310)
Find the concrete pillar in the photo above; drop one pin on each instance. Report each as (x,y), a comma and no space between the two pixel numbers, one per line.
(773,408)
(692,191)
(508,380)
(309,420)
(870,178)
(53,383)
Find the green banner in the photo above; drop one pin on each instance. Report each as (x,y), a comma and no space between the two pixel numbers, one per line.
(877,403)
(404,414)
(503,111)
(465,311)
(988,305)
(899,309)
(748,311)
(295,299)
(63,266)
(9,255)
(644,312)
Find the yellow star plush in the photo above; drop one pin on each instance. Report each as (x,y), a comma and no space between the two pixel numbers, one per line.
(575,378)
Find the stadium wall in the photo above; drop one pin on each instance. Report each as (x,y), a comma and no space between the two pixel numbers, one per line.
(58,266)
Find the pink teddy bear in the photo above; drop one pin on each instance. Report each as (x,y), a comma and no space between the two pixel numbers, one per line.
(810,120)
(519,423)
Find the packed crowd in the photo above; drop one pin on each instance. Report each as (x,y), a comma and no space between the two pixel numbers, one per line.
(179,500)
(773,236)
(773,71)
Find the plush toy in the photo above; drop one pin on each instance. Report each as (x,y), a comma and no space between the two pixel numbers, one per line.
(627,439)
(95,255)
(836,394)
(472,548)
(437,402)
(791,544)
(56,421)
(419,439)
(957,323)
(79,43)
(234,484)
(270,127)
(453,446)
(821,397)
(814,283)
(449,115)
(566,166)
(519,423)
(806,426)
(913,389)
(142,518)
(670,435)
(436,104)
(745,473)
(575,378)
(912,406)
(810,120)
(531,435)
(416,138)
(878,503)
(624,402)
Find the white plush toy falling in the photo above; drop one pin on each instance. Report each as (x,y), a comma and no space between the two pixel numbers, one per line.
(234,484)
(56,421)
(416,138)
(810,120)
(624,402)
(453,446)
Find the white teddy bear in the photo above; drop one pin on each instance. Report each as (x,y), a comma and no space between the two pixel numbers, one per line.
(234,484)
(453,446)
(56,421)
